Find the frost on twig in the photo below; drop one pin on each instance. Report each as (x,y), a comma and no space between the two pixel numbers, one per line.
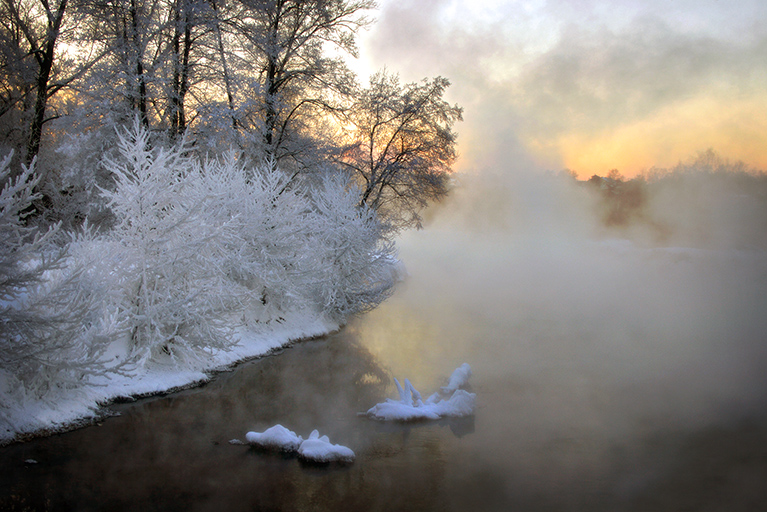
(53,334)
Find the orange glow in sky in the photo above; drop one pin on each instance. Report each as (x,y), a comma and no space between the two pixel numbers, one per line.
(736,130)
(588,86)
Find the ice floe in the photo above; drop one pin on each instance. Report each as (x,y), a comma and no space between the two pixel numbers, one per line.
(451,401)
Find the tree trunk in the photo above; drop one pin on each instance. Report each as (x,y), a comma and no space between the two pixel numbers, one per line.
(175,95)
(180,68)
(271,85)
(45,59)
(139,99)
(227,79)
(270,117)
(185,69)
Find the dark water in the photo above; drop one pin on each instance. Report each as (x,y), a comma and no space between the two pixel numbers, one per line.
(172,453)
(605,404)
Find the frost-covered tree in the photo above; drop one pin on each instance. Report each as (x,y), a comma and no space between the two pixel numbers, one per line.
(53,332)
(355,269)
(199,246)
(264,243)
(287,43)
(198,249)
(165,244)
(28,34)
(21,243)
(291,249)
(35,67)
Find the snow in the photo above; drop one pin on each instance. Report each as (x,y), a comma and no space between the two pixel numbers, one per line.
(452,401)
(398,411)
(460,404)
(459,379)
(19,418)
(320,449)
(275,438)
(316,448)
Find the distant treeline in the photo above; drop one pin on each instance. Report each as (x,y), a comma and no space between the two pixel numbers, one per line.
(707,201)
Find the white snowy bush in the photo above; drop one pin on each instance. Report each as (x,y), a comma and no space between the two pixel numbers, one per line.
(266,252)
(196,249)
(53,335)
(355,270)
(292,248)
(168,242)
(201,245)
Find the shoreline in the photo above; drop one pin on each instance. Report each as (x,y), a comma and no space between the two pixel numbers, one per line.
(86,406)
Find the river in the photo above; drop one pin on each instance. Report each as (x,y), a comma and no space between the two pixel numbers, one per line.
(608,377)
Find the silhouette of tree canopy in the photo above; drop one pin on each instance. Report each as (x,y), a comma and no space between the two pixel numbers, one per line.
(402,145)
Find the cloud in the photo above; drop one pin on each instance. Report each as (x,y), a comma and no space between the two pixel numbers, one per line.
(539,78)
(417,38)
(650,88)
(597,79)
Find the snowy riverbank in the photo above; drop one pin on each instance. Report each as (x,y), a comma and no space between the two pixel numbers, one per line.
(71,408)
(204,263)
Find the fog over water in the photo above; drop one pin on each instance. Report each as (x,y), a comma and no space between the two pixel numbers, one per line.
(618,330)
(592,347)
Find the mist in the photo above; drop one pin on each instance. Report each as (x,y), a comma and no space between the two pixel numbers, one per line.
(602,319)
(576,326)
(646,296)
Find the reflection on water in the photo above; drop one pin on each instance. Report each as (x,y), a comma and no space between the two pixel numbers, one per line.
(609,404)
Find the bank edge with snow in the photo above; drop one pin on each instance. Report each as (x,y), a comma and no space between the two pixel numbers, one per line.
(73,408)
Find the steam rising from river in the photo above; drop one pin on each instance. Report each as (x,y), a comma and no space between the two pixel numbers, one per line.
(658,323)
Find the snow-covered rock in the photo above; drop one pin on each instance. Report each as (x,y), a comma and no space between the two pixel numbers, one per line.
(314,449)
(450,402)
(319,449)
(459,405)
(275,438)
(397,411)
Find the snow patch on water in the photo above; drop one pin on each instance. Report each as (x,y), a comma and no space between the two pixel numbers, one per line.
(319,449)
(276,438)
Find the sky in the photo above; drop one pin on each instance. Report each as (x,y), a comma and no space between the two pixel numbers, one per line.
(586,85)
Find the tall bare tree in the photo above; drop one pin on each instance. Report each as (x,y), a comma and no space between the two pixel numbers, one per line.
(402,145)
